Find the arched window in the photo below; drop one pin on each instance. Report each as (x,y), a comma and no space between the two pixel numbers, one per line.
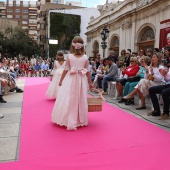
(146,38)
(96,46)
(114,45)
(115,42)
(147,35)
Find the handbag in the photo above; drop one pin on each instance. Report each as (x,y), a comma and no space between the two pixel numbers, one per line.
(95,103)
(133,79)
(150,77)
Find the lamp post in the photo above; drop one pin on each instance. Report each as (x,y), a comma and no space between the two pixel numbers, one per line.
(104,35)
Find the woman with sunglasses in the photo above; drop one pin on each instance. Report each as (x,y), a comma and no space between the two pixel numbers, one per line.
(129,86)
(126,72)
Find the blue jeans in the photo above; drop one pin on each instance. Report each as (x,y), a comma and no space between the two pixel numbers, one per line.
(105,80)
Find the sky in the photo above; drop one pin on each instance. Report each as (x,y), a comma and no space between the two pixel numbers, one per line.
(92,3)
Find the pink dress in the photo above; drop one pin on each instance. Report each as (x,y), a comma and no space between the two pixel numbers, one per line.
(71,109)
(54,84)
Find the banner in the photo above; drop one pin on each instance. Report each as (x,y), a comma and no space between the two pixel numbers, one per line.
(164,31)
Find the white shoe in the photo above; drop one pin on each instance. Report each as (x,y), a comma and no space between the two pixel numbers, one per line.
(117,98)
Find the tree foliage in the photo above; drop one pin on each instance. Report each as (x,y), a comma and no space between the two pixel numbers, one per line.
(63,27)
(17,41)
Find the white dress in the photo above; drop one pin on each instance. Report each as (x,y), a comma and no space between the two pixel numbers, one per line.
(145,84)
(57,72)
(71,109)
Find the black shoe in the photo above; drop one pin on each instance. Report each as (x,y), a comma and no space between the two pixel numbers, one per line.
(2,100)
(19,91)
(121,101)
(129,102)
(12,90)
(141,108)
(155,113)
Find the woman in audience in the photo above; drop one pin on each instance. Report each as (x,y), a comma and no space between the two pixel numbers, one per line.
(121,59)
(23,68)
(129,86)
(127,58)
(149,52)
(126,72)
(152,78)
(141,54)
(167,57)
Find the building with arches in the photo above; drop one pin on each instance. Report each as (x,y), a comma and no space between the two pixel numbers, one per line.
(133,24)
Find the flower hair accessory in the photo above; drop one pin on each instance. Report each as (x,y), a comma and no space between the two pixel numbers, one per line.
(77,45)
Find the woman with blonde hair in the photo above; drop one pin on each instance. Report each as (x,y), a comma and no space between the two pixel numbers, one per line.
(73,89)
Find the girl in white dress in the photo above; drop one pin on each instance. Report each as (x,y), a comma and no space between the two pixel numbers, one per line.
(57,71)
(71,109)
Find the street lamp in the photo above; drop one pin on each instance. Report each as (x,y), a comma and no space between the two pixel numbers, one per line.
(104,35)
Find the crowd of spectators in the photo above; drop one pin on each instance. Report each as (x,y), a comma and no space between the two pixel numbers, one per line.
(13,68)
(135,74)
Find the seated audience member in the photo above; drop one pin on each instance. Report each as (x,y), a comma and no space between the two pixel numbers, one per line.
(164,90)
(167,57)
(141,54)
(23,68)
(11,86)
(102,69)
(30,69)
(16,68)
(129,86)
(97,61)
(149,52)
(33,60)
(111,75)
(3,83)
(112,55)
(127,58)
(126,72)
(37,69)
(152,78)
(156,50)
(45,69)
(121,59)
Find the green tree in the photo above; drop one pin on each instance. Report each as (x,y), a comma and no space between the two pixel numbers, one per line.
(17,41)
(63,27)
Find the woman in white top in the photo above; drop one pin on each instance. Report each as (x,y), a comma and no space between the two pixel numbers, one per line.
(59,66)
(152,77)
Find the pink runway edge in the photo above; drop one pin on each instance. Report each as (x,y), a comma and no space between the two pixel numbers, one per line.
(113,139)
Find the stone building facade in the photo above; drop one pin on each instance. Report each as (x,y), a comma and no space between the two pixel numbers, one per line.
(133,24)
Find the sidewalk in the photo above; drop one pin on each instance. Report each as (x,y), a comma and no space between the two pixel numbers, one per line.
(11,123)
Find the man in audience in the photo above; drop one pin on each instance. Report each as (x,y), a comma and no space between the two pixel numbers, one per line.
(115,58)
(164,90)
(111,75)
(45,69)
(97,61)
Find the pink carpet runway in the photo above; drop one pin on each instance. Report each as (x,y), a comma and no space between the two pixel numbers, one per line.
(113,140)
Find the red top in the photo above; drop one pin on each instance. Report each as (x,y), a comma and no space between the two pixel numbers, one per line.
(23,65)
(132,71)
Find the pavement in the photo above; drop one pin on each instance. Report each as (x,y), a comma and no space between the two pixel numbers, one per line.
(10,125)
